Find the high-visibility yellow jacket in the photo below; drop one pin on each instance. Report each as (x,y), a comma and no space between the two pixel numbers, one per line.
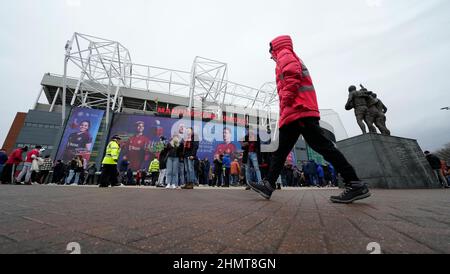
(112,154)
(154,166)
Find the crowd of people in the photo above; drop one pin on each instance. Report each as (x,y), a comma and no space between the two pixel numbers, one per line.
(37,168)
(177,166)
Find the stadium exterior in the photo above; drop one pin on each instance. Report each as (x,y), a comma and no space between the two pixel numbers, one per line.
(111,82)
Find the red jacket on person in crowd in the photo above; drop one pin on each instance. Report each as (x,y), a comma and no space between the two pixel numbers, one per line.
(235,168)
(30,154)
(295,88)
(15,157)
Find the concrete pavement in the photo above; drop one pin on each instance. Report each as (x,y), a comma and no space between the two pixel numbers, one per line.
(45,219)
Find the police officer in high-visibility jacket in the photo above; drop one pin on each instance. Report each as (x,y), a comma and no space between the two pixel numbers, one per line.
(109,171)
(154,171)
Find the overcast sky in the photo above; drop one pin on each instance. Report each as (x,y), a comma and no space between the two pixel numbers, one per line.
(398,48)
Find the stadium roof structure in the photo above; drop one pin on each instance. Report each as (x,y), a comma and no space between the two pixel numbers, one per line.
(109,80)
(107,71)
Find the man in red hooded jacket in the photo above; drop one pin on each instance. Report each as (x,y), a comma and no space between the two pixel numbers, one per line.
(14,159)
(299,114)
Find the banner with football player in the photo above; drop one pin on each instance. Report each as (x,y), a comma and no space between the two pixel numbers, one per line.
(80,134)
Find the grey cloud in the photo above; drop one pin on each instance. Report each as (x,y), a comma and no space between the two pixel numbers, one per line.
(399,49)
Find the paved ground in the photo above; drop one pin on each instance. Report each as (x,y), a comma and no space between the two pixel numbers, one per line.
(44,219)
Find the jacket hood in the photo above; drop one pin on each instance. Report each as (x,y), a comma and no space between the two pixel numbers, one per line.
(281,42)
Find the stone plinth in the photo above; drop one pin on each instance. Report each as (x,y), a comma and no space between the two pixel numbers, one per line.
(388,161)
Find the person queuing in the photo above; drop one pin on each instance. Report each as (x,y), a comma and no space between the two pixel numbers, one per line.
(435,164)
(36,164)
(445,171)
(226,169)
(299,114)
(251,156)
(327,175)
(83,169)
(154,171)
(130,180)
(201,173)
(190,148)
(138,177)
(206,169)
(3,159)
(26,169)
(45,169)
(181,168)
(235,171)
(91,174)
(218,170)
(58,172)
(162,165)
(197,171)
(75,167)
(81,163)
(14,159)
(320,176)
(141,175)
(297,177)
(109,171)
(123,168)
(447,174)
(311,172)
(265,163)
(174,153)
(289,173)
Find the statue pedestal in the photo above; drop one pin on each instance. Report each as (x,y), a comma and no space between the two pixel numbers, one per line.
(388,162)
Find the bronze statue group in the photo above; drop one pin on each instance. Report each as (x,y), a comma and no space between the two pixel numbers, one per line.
(368,109)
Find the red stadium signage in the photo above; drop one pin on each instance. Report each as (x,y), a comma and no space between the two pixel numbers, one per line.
(198,114)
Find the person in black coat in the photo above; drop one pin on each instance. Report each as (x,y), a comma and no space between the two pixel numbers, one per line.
(218,170)
(92,170)
(162,165)
(435,164)
(58,172)
(205,171)
(190,147)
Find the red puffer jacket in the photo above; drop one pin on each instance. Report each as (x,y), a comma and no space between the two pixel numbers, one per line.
(295,88)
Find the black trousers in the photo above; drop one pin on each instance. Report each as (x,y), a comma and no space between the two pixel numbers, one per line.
(43,176)
(8,173)
(155,176)
(109,176)
(90,179)
(57,177)
(313,135)
(227,177)
(217,181)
